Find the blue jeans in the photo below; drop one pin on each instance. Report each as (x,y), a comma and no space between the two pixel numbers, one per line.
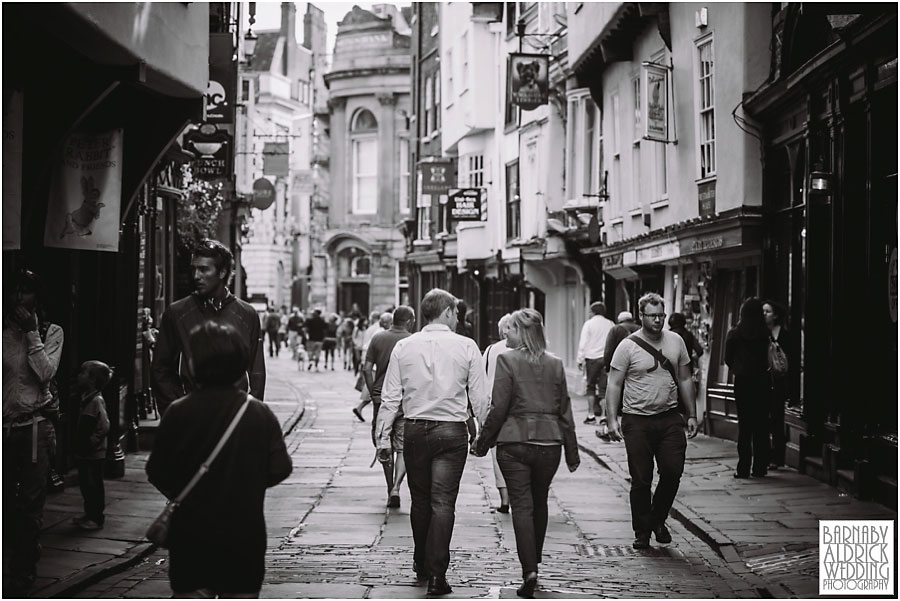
(649,437)
(24,492)
(435,454)
(528,470)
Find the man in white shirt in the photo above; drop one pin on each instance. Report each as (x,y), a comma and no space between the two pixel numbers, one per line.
(434,373)
(590,359)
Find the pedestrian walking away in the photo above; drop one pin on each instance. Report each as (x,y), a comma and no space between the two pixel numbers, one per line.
(782,376)
(32,347)
(90,442)
(295,332)
(329,343)
(530,421)
(490,367)
(432,376)
(379,323)
(315,332)
(591,347)
(649,378)
(378,355)
(211,265)
(746,355)
(218,547)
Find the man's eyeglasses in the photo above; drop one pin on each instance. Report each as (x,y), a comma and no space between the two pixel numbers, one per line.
(659,316)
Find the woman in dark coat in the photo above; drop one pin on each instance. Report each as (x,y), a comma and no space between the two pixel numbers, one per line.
(746,354)
(776,318)
(530,421)
(218,535)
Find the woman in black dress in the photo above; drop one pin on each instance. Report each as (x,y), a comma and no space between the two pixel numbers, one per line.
(776,318)
(746,354)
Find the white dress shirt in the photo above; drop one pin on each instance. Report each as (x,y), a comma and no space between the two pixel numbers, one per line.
(490,363)
(593,338)
(435,373)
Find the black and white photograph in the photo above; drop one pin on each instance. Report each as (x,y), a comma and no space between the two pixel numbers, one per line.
(463,300)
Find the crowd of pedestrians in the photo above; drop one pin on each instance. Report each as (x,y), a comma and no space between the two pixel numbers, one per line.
(436,399)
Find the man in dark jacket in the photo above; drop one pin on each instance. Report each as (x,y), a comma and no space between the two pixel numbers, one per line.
(211,301)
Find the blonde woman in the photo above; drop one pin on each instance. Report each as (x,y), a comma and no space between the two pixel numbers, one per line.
(530,421)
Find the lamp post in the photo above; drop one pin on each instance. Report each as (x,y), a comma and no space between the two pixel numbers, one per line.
(250,38)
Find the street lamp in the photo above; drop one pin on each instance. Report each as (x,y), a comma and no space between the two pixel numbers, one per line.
(250,38)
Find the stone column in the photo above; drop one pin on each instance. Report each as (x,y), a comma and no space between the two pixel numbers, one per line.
(387,166)
(338,161)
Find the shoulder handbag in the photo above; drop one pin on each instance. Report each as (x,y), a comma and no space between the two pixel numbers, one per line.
(778,361)
(158,532)
(662,360)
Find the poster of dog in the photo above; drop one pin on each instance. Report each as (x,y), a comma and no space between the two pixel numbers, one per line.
(85,193)
(529,80)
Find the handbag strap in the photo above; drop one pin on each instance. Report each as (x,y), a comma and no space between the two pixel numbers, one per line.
(204,467)
(657,354)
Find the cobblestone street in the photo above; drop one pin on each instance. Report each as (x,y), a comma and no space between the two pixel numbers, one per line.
(332,537)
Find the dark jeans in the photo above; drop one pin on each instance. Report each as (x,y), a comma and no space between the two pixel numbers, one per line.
(776,419)
(528,470)
(596,385)
(649,437)
(435,454)
(24,492)
(90,479)
(752,395)
(274,343)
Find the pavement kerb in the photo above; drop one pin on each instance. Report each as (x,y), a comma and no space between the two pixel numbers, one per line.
(68,587)
(65,589)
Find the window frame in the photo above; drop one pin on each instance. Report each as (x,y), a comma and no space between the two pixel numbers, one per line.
(513,202)
(705,107)
(404,175)
(355,142)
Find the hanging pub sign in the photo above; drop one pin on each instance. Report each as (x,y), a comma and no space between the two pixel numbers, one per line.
(438,177)
(212,147)
(86,193)
(275,158)
(465,204)
(655,102)
(528,80)
(263,194)
(221,89)
(12,169)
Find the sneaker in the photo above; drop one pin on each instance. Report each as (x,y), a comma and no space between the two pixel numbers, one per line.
(641,540)
(90,525)
(602,434)
(358,414)
(662,534)
(590,420)
(394,502)
(503,509)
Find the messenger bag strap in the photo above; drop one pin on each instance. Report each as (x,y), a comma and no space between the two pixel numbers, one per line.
(657,354)
(204,467)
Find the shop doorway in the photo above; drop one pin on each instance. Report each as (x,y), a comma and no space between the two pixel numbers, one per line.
(353,296)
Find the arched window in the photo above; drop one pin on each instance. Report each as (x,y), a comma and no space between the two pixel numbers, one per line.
(364,153)
(359,266)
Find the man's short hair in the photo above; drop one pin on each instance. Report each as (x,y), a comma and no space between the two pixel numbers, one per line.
(676,320)
(219,354)
(598,308)
(624,316)
(374,316)
(436,302)
(503,324)
(386,320)
(403,315)
(651,298)
(216,251)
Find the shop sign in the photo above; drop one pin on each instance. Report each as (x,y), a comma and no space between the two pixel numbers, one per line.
(656,102)
(275,158)
(263,194)
(528,80)
(660,252)
(712,243)
(438,177)
(629,257)
(303,181)
(612,262)
(86,193)
(221,89)
(12,170)
(706,198)
(465,204)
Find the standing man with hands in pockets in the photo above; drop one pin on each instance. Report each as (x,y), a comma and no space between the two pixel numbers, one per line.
(653,366)
(433,375)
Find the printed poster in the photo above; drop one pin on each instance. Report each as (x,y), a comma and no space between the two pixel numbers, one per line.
(12,171)
(86,194)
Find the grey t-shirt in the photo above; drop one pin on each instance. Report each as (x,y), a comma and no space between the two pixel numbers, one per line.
(649,387)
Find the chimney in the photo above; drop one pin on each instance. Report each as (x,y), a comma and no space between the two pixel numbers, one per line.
(289,31)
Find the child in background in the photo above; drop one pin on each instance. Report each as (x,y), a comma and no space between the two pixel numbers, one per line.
(90,442)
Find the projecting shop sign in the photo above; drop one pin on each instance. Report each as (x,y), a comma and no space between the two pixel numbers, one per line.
(465,204)
(528,80)
(656,102)
(438,177)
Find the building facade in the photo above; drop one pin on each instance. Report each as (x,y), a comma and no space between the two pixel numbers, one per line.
(362,249)
(275,141)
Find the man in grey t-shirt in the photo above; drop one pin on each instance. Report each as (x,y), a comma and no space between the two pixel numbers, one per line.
(651,424)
